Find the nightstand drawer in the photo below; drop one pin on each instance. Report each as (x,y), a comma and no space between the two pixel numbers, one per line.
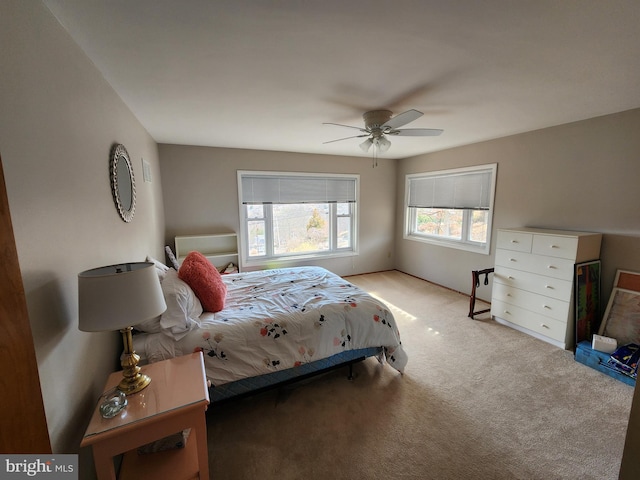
(532,282)
(542,265)
(532,321)
(549,307)
(552,246)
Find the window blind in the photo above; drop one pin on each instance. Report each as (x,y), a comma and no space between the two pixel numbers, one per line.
(260,189)
(465,190)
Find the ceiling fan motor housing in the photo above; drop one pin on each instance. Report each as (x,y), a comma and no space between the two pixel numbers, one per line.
(374,119)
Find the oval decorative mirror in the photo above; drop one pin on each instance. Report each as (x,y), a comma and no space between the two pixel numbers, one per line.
(123,185)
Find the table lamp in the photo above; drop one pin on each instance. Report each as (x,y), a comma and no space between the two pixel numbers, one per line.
(115,298)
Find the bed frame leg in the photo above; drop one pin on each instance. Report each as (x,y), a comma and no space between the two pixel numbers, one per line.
(350,376)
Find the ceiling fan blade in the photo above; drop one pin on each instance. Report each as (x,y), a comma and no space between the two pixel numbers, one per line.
(348,126)
(409,97)
(402,119)
(347,138)
(416,132)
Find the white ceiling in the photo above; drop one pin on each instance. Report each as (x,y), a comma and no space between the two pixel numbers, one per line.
(266,74)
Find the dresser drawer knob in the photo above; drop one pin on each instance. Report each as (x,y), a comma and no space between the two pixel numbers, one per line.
(554,246)
(544,325)
(507,312)
(549,287)
(514,241)
(552,267)
(510,277)
(546,306)
(512,259)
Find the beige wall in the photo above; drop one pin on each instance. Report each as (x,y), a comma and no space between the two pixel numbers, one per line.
(579,176)
(58,120)
(201,196)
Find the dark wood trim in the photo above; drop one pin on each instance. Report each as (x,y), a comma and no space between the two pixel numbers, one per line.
(24,425)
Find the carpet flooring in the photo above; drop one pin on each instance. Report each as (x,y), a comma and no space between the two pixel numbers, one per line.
(478,400)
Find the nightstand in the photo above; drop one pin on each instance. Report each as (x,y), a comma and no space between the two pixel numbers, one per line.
(176,399)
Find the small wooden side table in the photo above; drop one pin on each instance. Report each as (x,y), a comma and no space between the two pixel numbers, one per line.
(176,399)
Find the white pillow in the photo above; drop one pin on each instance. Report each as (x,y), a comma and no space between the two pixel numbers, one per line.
(161,268)
(149,326)
(183,307)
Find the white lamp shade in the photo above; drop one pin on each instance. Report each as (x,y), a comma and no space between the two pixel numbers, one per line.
(383,144)
(366,145)
(118,296)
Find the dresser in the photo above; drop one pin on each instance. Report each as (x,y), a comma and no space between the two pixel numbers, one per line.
(533,281)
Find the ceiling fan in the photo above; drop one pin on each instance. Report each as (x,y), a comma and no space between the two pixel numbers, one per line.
(379,123)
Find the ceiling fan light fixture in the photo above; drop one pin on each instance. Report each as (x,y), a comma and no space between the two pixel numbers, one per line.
(366,145)
(383,144)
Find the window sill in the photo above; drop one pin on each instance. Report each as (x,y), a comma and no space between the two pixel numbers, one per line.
(482,249)
(279,262)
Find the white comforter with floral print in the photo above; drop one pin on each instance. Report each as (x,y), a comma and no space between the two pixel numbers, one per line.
(281,318)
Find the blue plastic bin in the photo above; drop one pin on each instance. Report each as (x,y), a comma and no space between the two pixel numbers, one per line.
(598,360)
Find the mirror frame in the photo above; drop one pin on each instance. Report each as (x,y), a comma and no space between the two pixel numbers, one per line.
(119,154)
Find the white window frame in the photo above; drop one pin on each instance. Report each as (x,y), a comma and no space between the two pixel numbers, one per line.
(270,258)
(465,243)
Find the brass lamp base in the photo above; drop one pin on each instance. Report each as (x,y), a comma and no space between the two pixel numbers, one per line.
(133,381)
(134,385)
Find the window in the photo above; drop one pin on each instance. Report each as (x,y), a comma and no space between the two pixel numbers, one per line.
(294,215)
(451,207)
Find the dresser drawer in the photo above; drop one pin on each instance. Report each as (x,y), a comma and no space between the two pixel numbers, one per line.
(532,321)
(518,241)
(553,246)
(547,306)
(532,282)
(542,265)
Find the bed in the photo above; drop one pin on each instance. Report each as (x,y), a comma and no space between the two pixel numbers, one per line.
(275,326)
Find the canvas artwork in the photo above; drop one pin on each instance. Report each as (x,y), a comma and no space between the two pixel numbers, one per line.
(587,300)
(627,280)
(622,318)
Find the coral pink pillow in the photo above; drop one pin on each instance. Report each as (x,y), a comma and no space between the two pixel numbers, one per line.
(205,280)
